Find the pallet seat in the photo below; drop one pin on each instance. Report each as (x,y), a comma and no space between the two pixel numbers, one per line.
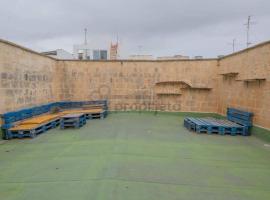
(238,122)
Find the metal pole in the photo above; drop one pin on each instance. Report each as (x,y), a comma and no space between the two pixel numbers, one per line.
(85,36)
(248,27)
(248,24)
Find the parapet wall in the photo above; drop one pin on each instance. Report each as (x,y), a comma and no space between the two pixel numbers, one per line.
(28,78)
(129,85)
(245,82)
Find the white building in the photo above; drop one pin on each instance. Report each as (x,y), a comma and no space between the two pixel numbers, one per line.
(59,54)
(198,57)
(141,57)
(82,52)
(100,55)
(176,57)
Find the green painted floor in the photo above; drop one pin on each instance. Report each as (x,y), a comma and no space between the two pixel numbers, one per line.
(134,156)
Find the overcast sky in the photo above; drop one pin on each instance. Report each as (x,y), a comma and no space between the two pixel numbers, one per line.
(157,27)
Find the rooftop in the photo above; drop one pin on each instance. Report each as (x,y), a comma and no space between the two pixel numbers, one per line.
(116,159)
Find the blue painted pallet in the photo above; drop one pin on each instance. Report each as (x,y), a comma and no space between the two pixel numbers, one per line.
(232,128)
(12,117)
(73,121)
(241,113)
(241,117)
(32,133)
(228,127)
(9,119)
(200,126)
(78,104)
(210,127)
(99,115)
(213,126)
(186,122)
(239,121)
(189,124)
(78,124)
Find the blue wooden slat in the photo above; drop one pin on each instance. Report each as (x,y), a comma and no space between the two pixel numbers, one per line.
(239,112)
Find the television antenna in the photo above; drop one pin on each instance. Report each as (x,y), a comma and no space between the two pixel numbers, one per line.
(248,25)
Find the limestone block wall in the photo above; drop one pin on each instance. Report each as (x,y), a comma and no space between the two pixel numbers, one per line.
(240,89)
(131,85)
(26,78)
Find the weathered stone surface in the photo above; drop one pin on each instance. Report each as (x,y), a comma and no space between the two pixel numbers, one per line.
(28,78)
(253,96)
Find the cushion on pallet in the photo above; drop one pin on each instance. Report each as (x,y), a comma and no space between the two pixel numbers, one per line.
(94,106)
(89,111)
(24,127)
(41,119)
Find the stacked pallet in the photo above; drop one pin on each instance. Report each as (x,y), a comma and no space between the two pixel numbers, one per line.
(213,126)
(238,123)
(73,121)
(34,126)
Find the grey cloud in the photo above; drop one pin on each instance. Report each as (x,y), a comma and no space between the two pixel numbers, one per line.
(162,27)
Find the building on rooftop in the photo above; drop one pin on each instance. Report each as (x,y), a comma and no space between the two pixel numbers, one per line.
(82,51)
(141,57)
(100,55)
(175,57)
(114,51)
(220,56)
(198,57)
(59,54)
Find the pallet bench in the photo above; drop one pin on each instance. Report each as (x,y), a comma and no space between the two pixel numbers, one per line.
(86,105)
(31,130)
(238,123)
(73,121)
(30,122)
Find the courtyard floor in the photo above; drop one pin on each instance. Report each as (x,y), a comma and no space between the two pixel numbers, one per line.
(133,156)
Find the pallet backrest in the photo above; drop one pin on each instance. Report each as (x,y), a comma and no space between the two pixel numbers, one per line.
(240,117)
(102,103)
(11,117)
(79,104)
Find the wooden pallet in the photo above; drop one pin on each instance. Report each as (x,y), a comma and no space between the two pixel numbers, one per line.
(31,130)
(90,113)
(243,118)
(227,127)
(213,126)
(75,120)
(189,124)
(238,123)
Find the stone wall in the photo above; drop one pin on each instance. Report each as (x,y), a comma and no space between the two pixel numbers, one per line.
(236,91)
(132,85)
(28,78)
